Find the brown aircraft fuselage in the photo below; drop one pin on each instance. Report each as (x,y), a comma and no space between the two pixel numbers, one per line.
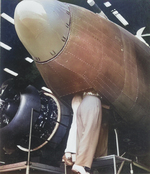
(98,54)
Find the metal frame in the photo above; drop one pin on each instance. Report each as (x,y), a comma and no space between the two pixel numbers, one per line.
(116,159)
(29,147)
(21,166)
(111,160)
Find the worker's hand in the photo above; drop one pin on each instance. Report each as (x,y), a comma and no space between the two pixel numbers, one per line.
(69,158)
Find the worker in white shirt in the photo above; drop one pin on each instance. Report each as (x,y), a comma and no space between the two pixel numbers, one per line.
(85,130)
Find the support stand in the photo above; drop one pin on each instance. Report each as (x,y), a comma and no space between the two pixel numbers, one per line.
(110,160)
(113,160)
(29,147)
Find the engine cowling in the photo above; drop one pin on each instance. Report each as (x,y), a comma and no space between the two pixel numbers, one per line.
(51,119)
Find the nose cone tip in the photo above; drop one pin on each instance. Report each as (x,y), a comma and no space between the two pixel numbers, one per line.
(42,26)
(26,9)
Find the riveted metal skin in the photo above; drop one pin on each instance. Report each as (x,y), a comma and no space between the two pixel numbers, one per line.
(101,55)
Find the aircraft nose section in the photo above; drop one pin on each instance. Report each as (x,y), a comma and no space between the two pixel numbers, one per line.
(43,27)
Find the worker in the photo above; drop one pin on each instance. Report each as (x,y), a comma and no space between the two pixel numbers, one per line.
(88,115)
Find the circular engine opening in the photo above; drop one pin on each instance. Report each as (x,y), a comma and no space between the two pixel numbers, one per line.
(46,125)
